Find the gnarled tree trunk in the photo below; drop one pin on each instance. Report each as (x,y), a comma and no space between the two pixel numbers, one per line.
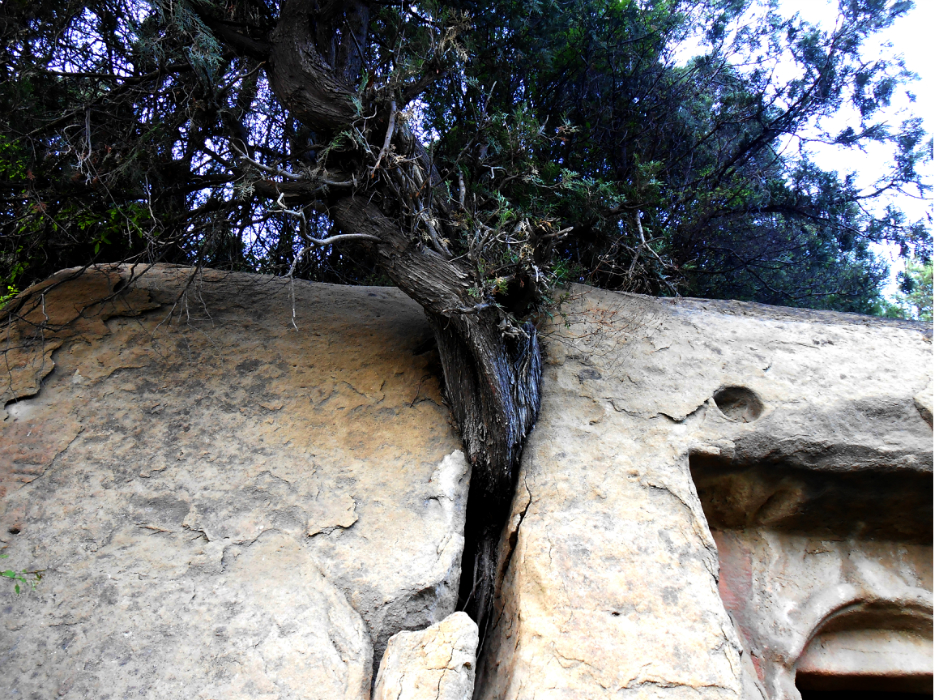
(492,364)
(492,380)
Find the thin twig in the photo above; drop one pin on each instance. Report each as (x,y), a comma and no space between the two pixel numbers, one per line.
(388,140)
(265,168)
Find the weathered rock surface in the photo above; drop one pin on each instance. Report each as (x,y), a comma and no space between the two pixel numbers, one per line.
(813,607)
(720,500)
(166,441)
(438,663)
(241,621)
(53,315)
(610,574)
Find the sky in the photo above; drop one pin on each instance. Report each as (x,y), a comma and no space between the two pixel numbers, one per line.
(911,38)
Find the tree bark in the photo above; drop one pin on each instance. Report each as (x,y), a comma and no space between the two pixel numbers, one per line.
(492,365)
(493,381)
(312,89)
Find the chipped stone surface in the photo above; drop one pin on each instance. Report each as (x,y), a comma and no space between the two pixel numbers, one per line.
(42,321)
(610,572)
(437,663)
(35,328)
(924,402)
(165,442)
(827,604)
(884,659)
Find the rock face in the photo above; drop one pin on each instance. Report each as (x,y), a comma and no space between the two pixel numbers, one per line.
(437,663)
(804,435)
(261,623)
(720,500)
(223,505)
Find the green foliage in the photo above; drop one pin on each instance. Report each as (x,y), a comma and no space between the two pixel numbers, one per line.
(10,292)
(915,298)
(921,291)
(13,160)
(671,175)
(27,578)
(582,148)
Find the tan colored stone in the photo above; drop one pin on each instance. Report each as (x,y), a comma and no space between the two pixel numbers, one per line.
(823,605)
(252,621)
(924,402)
(882,654)
(610,573)
(717,496)
(38,322)
(70,304)
(437,663)
(168,441)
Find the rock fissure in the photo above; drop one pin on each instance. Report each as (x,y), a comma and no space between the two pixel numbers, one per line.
(604,573)
(513,537)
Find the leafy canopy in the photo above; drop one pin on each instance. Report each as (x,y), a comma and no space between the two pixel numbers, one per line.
(573,140)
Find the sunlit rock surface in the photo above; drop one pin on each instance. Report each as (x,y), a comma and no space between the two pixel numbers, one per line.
(805,435)
(720,500)
(194,429)
(438,663)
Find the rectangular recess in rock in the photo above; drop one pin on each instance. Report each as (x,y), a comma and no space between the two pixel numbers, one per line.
(826,574)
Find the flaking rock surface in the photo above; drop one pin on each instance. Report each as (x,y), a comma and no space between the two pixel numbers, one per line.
(437,663)
(720,500)
(222,505)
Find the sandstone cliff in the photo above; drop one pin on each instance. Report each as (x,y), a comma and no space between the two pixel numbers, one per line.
(227,505)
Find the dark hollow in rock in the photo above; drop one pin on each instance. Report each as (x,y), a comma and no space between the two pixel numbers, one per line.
(867,504)
(739,403)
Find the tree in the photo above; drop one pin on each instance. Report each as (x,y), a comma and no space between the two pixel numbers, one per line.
(915,298)
(473,153)
(694,152)
(919,296)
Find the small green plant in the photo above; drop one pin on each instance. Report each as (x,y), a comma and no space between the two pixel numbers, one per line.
(11,292)
(21,576)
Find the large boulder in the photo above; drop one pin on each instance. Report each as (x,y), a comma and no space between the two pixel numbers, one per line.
(178,619)
(782,431)
(235,487)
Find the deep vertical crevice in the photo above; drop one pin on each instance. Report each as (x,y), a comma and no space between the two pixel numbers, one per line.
(482,532)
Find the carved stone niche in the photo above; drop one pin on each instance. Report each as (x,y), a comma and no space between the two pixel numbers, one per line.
(884,647)
(826,574)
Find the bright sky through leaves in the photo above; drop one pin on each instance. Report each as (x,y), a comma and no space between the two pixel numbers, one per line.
(910,38)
